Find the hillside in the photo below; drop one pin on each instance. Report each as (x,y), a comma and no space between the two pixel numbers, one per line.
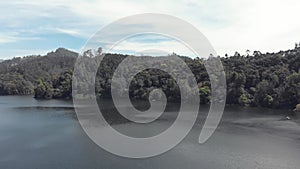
(20,75)
(268,80)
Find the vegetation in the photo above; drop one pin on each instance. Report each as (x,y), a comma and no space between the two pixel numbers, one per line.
(267,80)
(58,87)
(37,75)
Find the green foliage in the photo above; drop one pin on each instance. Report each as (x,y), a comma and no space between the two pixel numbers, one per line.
(268,80)
(204,94)
(20,76)
(14,84)
(59,87)
(244,100)
(43,89)
(268,101)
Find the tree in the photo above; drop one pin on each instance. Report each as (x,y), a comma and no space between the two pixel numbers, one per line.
(268,80)
(43,90)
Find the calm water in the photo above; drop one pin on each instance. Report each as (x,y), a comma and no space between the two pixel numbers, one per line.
(46,135)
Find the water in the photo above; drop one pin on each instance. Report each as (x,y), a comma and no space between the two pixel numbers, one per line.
(46,135)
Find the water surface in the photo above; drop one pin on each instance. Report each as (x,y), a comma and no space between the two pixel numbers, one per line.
(46,135)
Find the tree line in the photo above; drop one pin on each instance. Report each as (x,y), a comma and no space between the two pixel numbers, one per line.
(257,79)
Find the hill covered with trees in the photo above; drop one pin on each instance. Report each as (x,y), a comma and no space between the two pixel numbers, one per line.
(20,76)
(267,80)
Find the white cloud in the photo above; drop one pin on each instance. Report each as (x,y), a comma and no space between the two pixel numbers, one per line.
(231,25)
(11,39)
(258,25)
(6,39)
(24,52)
(69,32)
(157,48)
(266,25)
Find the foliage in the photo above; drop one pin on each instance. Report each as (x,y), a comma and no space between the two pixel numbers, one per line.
(268,80)
(60,87)
(22,76)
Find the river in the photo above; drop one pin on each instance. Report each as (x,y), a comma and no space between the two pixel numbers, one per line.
(45,134)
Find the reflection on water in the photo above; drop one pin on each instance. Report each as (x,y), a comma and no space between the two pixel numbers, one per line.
(46,135)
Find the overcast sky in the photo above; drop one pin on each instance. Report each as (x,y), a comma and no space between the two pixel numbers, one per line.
(39,26)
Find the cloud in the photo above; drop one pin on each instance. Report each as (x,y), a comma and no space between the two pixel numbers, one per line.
(267,26)
(231,25)
(154,45)
(69,32)
(11,39)
(6,39)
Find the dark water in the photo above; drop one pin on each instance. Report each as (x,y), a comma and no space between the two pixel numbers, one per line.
(46,135)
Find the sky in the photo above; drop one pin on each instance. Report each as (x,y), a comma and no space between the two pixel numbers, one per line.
(39,26)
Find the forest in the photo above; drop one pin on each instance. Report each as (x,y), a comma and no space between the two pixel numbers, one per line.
(257,79)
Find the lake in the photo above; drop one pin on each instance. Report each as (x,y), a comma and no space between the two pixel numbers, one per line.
(45,134)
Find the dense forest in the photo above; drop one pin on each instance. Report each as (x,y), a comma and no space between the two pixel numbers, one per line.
(33,74)
(257,79)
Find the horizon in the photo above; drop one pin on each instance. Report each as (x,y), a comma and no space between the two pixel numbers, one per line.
(162,54)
